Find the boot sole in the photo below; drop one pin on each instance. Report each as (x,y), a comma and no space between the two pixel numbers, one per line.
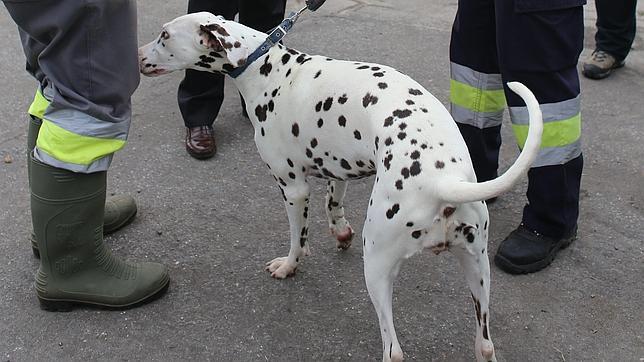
(36,251)
(66,305)
(509,267)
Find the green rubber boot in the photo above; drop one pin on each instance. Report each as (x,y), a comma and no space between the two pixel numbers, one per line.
(120,210)
(75,266)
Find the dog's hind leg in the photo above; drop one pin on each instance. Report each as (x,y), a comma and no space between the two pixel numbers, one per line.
(296,199)
(382,260)
(474,261)
(338,225)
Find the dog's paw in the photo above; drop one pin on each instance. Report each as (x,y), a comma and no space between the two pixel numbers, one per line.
(485,351)
(280,268)
(343,237)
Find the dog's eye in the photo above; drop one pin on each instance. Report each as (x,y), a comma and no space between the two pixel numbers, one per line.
(165,35)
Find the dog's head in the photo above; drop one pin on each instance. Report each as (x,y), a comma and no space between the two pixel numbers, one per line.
(200,41)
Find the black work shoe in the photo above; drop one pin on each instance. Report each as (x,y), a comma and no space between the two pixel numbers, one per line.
(600,65)
(525,251)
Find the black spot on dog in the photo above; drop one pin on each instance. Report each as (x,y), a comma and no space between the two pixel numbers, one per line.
(375,68)
(402,135)
(314,143)
(441,144)
(291,175)
(424,110)
(405,172)
(292,51)
(369,99)
(399,186)
(342,121)
(402,126)
(439,164)
(363,67)
(415,155)
(376,142)
(271,105)
(288,72)
(357,135)
(318,107)
(423,146)
(388,141)
(402,113)
(379,74)
(260,112)
(327,104)
(317,74)
(382,85)
(414,170)
(274,93)
(262,132)
(318,161)
(388,121)
(301,58)
(266,68)
(345,164)
(393,211)
(387,161)
(359,163)
(448,211)
(295,129)
(415,92)
(409,102)
(485,225)
(343,99)
(309,153)
(416,234)
(290,163)
(320,122)
(285,58)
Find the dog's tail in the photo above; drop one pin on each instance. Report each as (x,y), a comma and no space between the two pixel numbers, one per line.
(458,191)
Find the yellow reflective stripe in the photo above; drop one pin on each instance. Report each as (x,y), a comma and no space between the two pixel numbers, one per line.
(555,134)
(39,105)
(70,147)
(474,99)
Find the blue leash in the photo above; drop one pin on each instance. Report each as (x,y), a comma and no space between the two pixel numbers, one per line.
(276,36)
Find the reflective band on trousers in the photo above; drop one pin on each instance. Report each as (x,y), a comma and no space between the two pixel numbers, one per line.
(476,98)
(39,105)
(73,148)
(561,139)
(561,123)
(61,144)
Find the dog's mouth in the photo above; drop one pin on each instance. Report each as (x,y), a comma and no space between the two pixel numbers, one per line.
(154,72)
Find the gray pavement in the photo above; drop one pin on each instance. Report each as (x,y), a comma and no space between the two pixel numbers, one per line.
(216,222)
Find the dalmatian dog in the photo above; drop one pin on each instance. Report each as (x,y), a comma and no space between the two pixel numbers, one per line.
(344,120)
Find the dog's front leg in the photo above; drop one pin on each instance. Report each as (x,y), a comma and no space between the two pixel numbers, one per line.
(474,261)
(338,225)
(296,199)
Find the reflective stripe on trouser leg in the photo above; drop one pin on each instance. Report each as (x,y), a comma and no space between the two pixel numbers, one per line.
(561,139)
(476,104)
(73,140)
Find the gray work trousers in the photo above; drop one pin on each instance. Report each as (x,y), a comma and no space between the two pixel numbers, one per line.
(84,55)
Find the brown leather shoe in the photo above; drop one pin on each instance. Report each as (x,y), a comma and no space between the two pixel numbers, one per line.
(200,142)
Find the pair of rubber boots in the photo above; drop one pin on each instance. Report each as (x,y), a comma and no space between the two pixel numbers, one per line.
(68,213)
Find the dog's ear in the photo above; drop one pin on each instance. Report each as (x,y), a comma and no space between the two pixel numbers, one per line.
(215,37)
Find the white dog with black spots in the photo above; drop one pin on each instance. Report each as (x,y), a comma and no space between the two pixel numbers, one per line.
(343,120)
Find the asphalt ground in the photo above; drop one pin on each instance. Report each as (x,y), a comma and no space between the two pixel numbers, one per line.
(215,223)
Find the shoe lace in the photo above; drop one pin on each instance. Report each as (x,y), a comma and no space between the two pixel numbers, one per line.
(600,55)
